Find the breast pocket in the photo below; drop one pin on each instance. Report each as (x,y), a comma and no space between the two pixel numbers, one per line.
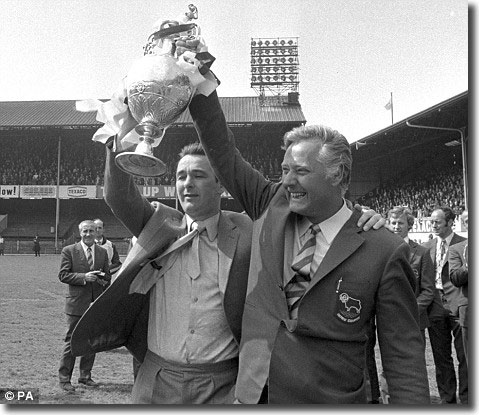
(353,302)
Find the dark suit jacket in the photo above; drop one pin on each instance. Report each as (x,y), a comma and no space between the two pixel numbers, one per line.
(125,316)
(451,293)
(73,268)
(321,359)
(423,268)
(459,275)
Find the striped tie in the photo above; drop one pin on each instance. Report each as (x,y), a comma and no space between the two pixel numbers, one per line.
(89,258)
(302,266)
(443,250)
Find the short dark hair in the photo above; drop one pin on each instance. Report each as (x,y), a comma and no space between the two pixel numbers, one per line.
(192,149)
(448,213)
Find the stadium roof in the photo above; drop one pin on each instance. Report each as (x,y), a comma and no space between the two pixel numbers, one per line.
(449,114)
(402,151)
(20,115)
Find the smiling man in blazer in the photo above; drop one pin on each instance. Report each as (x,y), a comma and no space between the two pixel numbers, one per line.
(305,321)
(84,267)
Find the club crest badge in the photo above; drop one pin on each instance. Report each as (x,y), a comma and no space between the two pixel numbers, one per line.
(349,308)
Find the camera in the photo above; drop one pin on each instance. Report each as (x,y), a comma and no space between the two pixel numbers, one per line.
(101,275)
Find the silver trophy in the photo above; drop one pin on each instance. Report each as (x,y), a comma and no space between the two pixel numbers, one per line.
(158,92)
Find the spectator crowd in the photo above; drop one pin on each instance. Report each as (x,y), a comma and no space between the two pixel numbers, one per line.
(33,161)
(422,195)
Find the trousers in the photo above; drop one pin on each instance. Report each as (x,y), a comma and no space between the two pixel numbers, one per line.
(162,382)
(443,332)
(67,361)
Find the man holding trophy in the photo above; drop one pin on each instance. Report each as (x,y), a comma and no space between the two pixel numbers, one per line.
(186,328)
(177,302)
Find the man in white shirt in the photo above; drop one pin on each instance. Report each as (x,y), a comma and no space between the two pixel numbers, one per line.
(195,292)
(443,313)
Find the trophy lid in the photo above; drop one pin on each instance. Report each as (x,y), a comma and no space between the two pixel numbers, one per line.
(181,23)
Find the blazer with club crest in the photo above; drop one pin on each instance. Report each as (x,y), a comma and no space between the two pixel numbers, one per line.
(320,357)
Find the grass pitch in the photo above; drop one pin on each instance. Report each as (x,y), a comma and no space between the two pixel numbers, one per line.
(33,328)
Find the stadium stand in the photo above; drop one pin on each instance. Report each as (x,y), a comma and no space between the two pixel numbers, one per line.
(395,166)
(35,134)
(419,162)
(33,161)
(437,187)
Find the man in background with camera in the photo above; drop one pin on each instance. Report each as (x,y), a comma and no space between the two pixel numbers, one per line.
(85,268)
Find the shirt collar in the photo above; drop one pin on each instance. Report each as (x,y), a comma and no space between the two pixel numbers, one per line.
(406,239)
(448,239)
(210,224)
(329,227)
(85,246)
(303,226)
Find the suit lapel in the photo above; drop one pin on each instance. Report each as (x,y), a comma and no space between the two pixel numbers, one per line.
(227,241)
(288,248)
(98,261)
(432,250)
(96,253)
(81,253)
(346,242)
(455,240)
(282,240)
(149,241)
(413,247)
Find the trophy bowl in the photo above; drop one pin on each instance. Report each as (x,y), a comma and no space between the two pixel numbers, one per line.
(158,93)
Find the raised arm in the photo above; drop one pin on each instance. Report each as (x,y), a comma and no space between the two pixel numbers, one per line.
(123,196)
(248,186)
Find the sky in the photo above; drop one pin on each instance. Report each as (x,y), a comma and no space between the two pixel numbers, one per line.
(352,53)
